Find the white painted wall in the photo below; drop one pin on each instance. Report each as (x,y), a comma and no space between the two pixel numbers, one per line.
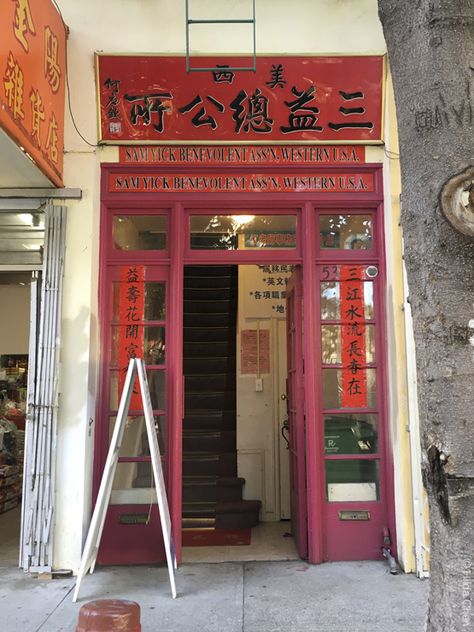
(14,319)
(260,413)
(157,26)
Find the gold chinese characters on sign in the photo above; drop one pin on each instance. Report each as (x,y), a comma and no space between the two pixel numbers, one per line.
(32,84)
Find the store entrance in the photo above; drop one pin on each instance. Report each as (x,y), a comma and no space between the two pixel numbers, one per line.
(236,473)
(14,347)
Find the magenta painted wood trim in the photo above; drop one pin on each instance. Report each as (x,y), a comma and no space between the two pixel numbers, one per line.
(178,207)
(312,355)
(176,374)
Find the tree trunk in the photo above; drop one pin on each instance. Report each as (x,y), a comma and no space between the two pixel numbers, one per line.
(431,55)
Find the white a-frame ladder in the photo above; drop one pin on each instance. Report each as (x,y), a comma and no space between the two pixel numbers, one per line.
(91,547)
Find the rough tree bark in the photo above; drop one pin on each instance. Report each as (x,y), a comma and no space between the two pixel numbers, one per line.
(431,55)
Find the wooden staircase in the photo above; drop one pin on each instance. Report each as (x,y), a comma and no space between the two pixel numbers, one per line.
(212,491)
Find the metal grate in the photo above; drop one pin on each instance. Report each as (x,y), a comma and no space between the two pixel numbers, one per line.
(251,21)
(38,511)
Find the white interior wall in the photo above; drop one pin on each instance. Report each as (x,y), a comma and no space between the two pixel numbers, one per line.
(14,319)
(148,26)
(259,413)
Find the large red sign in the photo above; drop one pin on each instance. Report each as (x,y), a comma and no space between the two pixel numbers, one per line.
(125,182)
(152,99)
(33,78)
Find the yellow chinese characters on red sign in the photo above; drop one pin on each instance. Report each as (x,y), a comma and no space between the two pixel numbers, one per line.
(32,81)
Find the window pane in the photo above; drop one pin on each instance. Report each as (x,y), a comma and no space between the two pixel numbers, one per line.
(135,440)
(345,232)
(155,301)
(333,388)
(243,232)
(331,303)
(156,383)
(139,232)
(350,434)
(331,342)
(141,341)
(135,476)
(351,480)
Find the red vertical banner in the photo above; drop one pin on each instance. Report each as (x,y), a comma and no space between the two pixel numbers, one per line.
(353,342)
(131,314)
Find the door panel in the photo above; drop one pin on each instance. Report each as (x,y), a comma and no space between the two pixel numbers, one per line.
(351,412)
(137,327)
(296,420)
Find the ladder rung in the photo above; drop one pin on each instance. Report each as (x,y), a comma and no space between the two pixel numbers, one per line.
(221,21)
(222,69)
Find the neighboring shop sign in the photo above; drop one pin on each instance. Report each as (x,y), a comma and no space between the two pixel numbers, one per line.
(353,347)
(151,99)
(33,75)
(131,312)
(124,182)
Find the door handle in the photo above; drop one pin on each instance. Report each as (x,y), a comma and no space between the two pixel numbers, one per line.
(284,397)
(286,428)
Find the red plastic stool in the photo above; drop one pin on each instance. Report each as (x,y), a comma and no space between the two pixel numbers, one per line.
(109,615)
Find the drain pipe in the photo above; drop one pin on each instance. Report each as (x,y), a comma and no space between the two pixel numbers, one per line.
(387,553)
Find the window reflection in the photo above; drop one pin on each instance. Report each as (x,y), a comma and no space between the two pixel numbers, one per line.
(242,232)
(352,480)
(350,434)
(331,303)
(139,232)
(156,382)
(332,337)
(345,232)
(333,391)
(135,439)
(155,300)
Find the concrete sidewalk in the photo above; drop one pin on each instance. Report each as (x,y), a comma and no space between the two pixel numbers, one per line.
(228,597)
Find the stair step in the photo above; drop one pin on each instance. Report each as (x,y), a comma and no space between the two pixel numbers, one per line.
(215,349)
(209,271)
(210,382)
(240,514)
(210,419)
(209,440)
(211,401)
(203,463)
(206,489)
(199,509)
(198,523)
(210,334)
(211,293)
(213,306)
(206,282)
(209,320)
(201,366)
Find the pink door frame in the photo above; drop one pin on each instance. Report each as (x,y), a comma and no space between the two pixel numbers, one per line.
(296,412)
(178,254)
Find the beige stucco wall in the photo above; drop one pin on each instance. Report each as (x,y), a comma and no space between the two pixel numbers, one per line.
(14,319)
(306,26)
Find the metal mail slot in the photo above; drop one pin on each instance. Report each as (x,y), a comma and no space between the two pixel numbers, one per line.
(134,518)
(354,515)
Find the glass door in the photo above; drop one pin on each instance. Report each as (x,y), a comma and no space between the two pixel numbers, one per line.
(351,388)
(138,298)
